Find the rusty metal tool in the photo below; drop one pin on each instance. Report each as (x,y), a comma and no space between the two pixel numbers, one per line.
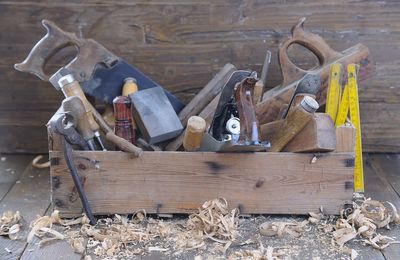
(71,137)
(274,99)
(100,72)
(65,127)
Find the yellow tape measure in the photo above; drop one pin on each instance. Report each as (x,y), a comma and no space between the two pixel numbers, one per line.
(349,103)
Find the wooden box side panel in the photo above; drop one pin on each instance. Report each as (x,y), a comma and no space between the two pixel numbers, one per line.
(178,182)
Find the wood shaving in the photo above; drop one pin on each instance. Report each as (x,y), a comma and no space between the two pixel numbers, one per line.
(294,229)
(36,164)
(9,224)
(215,221)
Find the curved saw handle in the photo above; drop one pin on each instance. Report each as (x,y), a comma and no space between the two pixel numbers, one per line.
(90,53)
(54,41)
(312,42)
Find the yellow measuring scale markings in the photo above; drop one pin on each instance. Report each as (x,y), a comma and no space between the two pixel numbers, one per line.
(349,104)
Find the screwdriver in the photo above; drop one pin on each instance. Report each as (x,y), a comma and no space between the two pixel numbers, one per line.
(71,87)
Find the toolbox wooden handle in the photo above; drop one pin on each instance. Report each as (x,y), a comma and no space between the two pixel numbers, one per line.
(312,42)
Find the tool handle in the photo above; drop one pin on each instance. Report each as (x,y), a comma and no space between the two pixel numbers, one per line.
(54,41)
(124,145)
(296,120)
(89,54)
(312,42)
(75,112)
(123,118)
(194,133)
(74,89)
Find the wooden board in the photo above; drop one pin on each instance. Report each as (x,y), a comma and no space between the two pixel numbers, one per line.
(181,44)
(60,248)
(387,188)
(177,182)
(10,170)
(31,196)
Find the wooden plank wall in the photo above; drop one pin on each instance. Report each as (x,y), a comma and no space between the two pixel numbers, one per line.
(181,44)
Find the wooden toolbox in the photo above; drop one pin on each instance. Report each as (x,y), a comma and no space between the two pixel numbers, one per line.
(179,182)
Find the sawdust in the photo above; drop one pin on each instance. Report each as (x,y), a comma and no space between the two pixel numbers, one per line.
(10,224)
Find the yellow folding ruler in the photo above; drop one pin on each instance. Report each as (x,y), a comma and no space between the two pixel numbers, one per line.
(338,111)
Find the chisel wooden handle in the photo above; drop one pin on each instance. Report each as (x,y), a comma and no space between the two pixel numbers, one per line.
(70,87)
(194,133)
(75,110)
(295,121)
(130,86)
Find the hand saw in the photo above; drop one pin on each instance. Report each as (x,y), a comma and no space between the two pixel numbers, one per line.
(100,72)
(349,104)
(275,99)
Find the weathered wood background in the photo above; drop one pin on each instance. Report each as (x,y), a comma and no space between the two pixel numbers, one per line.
(181,44)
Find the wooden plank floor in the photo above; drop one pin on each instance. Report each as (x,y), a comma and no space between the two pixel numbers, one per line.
(27,189)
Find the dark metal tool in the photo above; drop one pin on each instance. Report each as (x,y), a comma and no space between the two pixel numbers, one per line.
(65,127)
(100,72)
(71,137)
(234,127)
(154,115)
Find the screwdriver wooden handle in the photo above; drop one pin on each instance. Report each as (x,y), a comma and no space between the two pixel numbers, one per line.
(70,87)
(123,118)
(123,144)
(194,133)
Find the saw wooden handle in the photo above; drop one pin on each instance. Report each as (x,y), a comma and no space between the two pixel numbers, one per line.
(313,42)
(89,54)
(273,100)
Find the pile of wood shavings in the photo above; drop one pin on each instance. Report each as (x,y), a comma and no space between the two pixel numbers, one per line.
(42,228)
(124,237)
(216,222)
(10,224)
(364,220)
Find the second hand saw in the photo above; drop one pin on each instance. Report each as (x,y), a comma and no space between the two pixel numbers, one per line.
(100,72)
